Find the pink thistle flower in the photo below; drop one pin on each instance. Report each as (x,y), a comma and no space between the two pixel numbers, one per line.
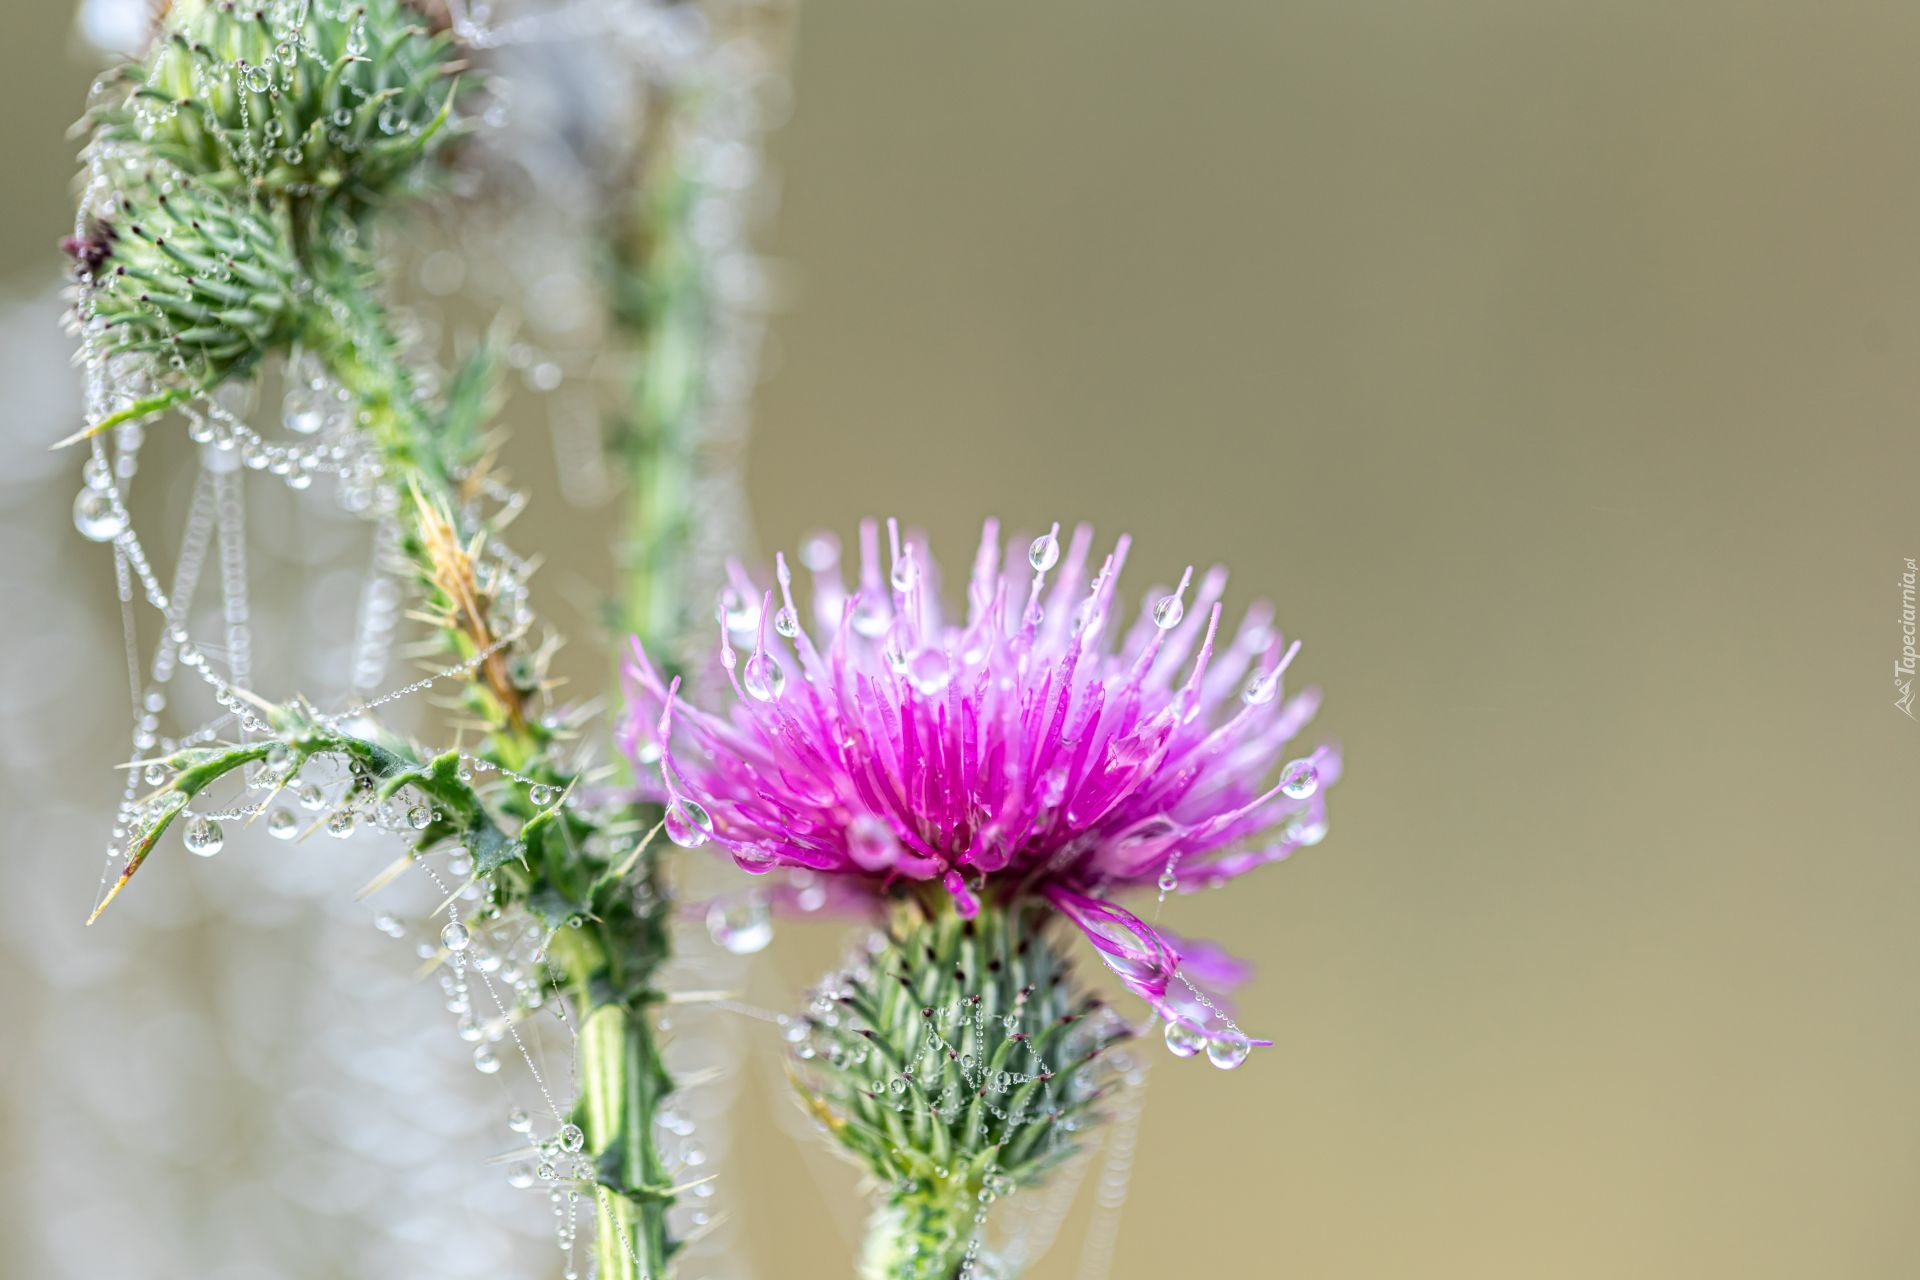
(1044,748)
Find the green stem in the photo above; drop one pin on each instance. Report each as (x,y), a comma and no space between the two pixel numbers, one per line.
(622,1082)
(922,1235)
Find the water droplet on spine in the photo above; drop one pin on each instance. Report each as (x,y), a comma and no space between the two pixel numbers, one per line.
(203,837)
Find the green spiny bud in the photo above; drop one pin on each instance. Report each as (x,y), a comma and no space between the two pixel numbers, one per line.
(231,171)
(958,1064)
(330,100)
(190,279)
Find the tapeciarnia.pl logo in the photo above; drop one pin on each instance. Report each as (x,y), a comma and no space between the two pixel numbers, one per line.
(1903,665)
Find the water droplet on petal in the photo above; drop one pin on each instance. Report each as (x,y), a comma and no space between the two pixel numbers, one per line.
(1184,1041)
(763,677)
(204,837)
(871,844)
(1044,553)
(1299,779)
(455,936)
(1227,1052)
(1261,688)
(871,618)
(688,824)
(95,516)
(786,624)
(928,672)
(1168,612)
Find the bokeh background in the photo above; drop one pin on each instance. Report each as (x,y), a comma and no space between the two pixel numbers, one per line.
(1551,366)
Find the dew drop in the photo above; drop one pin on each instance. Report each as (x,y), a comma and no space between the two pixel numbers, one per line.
(927,671)
(1169,881)
(539,796)
(156,774)
(742,927)
(572,1138)
(95,516)
(1044,553)
(281,824)
(1228,1052)
(820,552)
(455,937)
(764,678)
(871,618)
(485,1061)
(204,837)
(420,817)
(1168,612)
(312,798)
(1184,1041)
(1261,688)
(871,844)
(786,624)
(340,825)
(688,824)
(1299,779)
(520,1176)
(1307,831)
(519,1121)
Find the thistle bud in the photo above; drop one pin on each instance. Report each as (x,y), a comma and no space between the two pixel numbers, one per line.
(233,166)
(957,1063)
(309,103)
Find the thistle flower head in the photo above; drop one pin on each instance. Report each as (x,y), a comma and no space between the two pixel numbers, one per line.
(1052,747)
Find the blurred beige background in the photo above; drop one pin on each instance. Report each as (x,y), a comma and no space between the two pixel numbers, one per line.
(1553,368)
